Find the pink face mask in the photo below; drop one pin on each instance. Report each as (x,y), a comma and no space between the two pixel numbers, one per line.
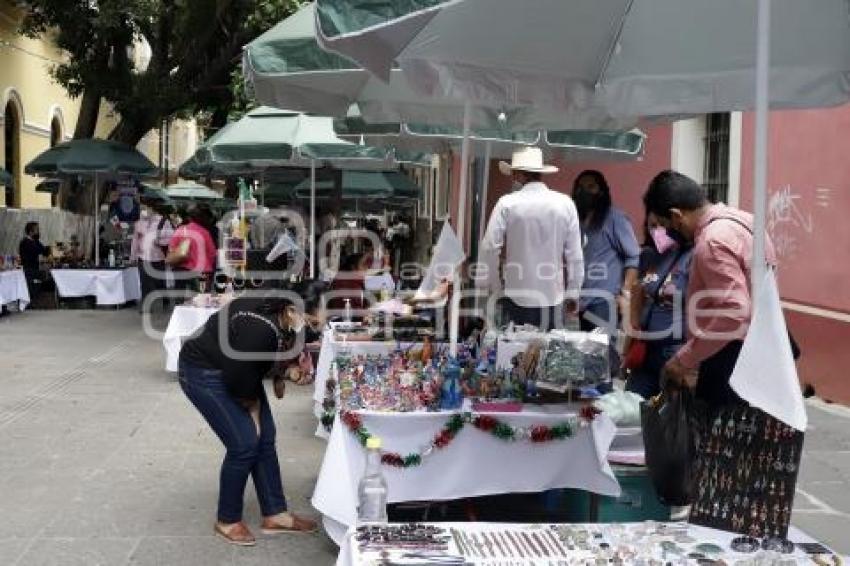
(663,242)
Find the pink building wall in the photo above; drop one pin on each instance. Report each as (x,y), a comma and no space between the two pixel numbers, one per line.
(809,197)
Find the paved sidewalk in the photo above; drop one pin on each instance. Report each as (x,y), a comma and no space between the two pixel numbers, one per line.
(104,462)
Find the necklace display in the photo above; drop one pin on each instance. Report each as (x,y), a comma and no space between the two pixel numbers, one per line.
(747,473)
(647,544)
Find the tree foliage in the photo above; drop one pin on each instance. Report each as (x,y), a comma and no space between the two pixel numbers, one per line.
(195,48)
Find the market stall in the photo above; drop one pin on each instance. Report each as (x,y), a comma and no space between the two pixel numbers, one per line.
(13,288)
(474,461)
(109,286)
(617,543)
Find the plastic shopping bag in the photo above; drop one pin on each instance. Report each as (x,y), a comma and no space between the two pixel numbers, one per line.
(671,424)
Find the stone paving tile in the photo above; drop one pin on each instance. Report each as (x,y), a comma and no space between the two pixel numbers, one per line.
(12,548)
(201,551)
(78,552)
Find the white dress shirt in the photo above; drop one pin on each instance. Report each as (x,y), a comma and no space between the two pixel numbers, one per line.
(538,230)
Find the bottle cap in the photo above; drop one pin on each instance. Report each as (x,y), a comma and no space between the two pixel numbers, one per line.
(373,443)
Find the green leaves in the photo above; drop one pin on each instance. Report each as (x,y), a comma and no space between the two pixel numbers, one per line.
(194,46)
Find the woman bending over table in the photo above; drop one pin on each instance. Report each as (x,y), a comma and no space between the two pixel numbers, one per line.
(221,372)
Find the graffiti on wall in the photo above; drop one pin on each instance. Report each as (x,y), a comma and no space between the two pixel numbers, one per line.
(789,219)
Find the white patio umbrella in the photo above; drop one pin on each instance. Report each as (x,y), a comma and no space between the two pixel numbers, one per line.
(617,58)
(287,68)
(637,57)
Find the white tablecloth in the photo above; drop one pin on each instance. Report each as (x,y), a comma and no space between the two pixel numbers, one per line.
(350,555)
(13,287)
(184,322)
(474,464)
(108,286)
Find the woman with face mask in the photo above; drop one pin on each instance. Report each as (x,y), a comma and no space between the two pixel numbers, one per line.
(221,373)
(657,307)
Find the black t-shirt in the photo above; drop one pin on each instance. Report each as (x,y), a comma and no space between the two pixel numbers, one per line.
(247,330)
(30,250)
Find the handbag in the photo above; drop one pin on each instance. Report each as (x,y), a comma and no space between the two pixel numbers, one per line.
(636,353)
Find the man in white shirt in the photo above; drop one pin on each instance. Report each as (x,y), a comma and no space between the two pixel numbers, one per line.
(536,233)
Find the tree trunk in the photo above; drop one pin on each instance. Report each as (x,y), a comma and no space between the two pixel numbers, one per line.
(89,113)
(131,130)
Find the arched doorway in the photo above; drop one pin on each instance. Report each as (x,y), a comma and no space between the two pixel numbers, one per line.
(56,135)
(12,145)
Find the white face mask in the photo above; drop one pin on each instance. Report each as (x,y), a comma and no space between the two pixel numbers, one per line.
(145,213)
(516,185)
(297,322)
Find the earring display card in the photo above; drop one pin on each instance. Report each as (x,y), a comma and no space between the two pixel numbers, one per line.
(747,473)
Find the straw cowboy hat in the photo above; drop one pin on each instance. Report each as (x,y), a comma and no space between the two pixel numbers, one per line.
(526,159)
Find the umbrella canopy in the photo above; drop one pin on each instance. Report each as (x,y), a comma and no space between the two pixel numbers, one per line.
(151,193)
(51,186)
(268,137)
(90,157)
(570,144)
(616,58)
(288,69)
(191,191)
(366,185)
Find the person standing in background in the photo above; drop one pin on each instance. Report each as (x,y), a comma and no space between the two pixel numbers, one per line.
(611,253)
(151,236)
(537,231)
(657,307)
(191,252)
(31,251)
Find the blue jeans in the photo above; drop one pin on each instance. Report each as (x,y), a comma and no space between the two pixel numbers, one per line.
(248,454)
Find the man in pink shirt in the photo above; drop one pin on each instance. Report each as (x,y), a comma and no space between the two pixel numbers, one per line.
(191,251)
(718,301)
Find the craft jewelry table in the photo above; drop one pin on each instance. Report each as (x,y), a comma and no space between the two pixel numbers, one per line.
(13,288)
(328,351)
(185,321)
(474,463)
(516,543)
(109,286)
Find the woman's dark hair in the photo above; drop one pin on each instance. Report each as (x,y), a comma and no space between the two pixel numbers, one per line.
(349,263)
(670,189)
(603,204)
(311,292)
(30,228)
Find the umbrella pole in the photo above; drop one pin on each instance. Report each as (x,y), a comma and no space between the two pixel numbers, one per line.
(454,313)
(761,131)
(312,219)
(96,227)
(485,182)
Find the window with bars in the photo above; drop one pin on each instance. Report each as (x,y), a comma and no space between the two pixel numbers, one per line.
(716,172)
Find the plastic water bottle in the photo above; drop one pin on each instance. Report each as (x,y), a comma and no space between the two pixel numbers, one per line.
(372,491)
(348,311)
(111,258)
(451,397)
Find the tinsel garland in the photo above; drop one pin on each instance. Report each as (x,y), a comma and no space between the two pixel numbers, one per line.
(484,423)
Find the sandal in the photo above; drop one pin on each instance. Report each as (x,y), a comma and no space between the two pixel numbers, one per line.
(299,525)
(237,534)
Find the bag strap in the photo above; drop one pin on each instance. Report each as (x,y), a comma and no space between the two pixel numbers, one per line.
(654,298)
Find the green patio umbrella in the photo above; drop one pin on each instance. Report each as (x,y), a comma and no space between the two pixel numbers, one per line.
(92,158)
(51,186)
(6,178)
(153,193)
(364,185)
(191,191)
(268,137)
